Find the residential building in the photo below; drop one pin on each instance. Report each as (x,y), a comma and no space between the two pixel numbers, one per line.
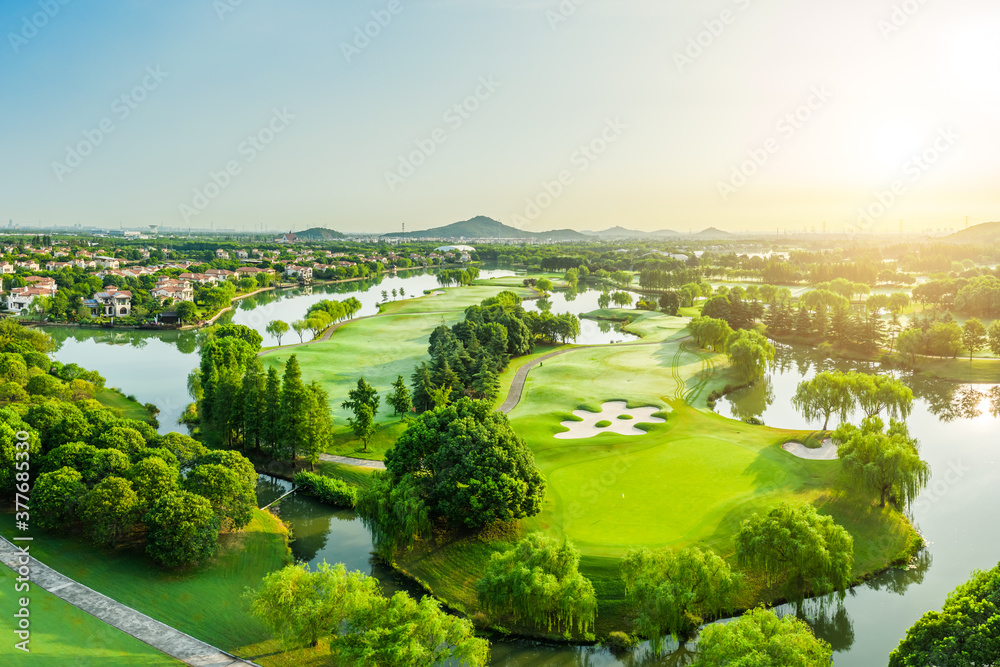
(110,302)
(300,272)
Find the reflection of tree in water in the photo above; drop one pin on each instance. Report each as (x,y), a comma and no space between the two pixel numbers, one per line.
(829,621)
(950,401)
(312,525)
(897,580)
(674,656)
(753,401)
(270,489)
(571,295)
(544,305)
(604,326)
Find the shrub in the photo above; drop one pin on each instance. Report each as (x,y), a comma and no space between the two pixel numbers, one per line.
(331,491)
(619,642)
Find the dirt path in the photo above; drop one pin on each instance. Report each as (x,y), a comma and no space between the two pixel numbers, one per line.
(160,636)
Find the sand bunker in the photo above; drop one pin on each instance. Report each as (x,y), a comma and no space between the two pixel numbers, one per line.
(613,412)
(828,452)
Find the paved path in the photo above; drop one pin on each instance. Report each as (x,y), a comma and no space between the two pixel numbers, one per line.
(346,460)
(162,637)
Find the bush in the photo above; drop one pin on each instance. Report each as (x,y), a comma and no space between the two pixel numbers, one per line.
(619,642)
(331,491)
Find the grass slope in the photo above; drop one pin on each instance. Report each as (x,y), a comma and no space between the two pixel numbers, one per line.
(60,630)
(206,602)
(125,407)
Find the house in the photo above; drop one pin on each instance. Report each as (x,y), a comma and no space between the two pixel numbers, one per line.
(176,290)
(84,263)
(251,271)
(39,281)
(20,298)
(7,267)
(287,238)
(221,254)
(200,278)
(106,262)
(57,266)
(31,265)
(300,272)
(110,302)
(220,274)
(242,254)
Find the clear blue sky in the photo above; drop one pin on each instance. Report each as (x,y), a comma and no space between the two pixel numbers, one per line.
(669,131)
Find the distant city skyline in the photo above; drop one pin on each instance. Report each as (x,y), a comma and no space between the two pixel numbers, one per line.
(362,117)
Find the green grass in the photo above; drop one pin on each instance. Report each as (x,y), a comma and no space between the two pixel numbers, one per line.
(60,630)
(117,401)
(381,349)
(205,602)
(960,369)
(688,482)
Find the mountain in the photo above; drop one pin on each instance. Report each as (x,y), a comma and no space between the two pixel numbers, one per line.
(713,234)
(622,233)
(319,234)
(987,232)
(482,227)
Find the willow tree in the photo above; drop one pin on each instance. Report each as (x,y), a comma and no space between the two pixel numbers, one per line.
(674,591)
(538,582)
(761,639)
(750,354)
(815,553)
(874,394)
(395,513)
(884,462)
(825,395)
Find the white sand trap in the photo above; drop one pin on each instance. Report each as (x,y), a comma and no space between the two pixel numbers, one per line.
(828,452)
(610,411)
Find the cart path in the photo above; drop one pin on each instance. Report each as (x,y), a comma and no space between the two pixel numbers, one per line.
(160,636)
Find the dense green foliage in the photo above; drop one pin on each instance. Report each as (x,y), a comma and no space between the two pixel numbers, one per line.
(965,633)
(761,639)
(674,592)
(470,466)
(364,628)
(795,543)
(836,393)
(886,463)
(331,491)
(538,582)
(182,528)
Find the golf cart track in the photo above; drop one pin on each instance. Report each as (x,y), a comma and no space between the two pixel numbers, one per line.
(160,636)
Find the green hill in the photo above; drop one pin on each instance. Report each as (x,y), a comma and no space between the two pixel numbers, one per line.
(319,234)
(483,227)
(987,232)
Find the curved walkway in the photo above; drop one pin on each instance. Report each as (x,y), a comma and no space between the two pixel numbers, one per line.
(347,460)
(160,636)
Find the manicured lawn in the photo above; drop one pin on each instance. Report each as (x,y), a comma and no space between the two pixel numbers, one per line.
(206,602)
(380,348)
(117,401)
(59,630)
(960,370)
(688,481)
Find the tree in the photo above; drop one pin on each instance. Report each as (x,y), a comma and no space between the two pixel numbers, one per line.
(544,285)
(673,591)
(231,501)
(670,303)
(55,497)
(181,529)
(394,512)
(963,633)
(277,328)
(186,311)
(911,342)
(974,336)
(110,510)
(710,332)
(825,395)
(400,399)
(475,469)
(760,639)
(885,463)
(300,327)
(301,606)
(621,299)
(994,337)
(875,393)
(750,354)
(603,300)
(539,582)
(295,406)
(320,423)
(152,478)
(363,401)
(815,553)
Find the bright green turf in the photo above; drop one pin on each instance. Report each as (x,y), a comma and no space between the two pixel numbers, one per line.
(381,349)
(59,630)
(688,481)
(206,602)
(125,407)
